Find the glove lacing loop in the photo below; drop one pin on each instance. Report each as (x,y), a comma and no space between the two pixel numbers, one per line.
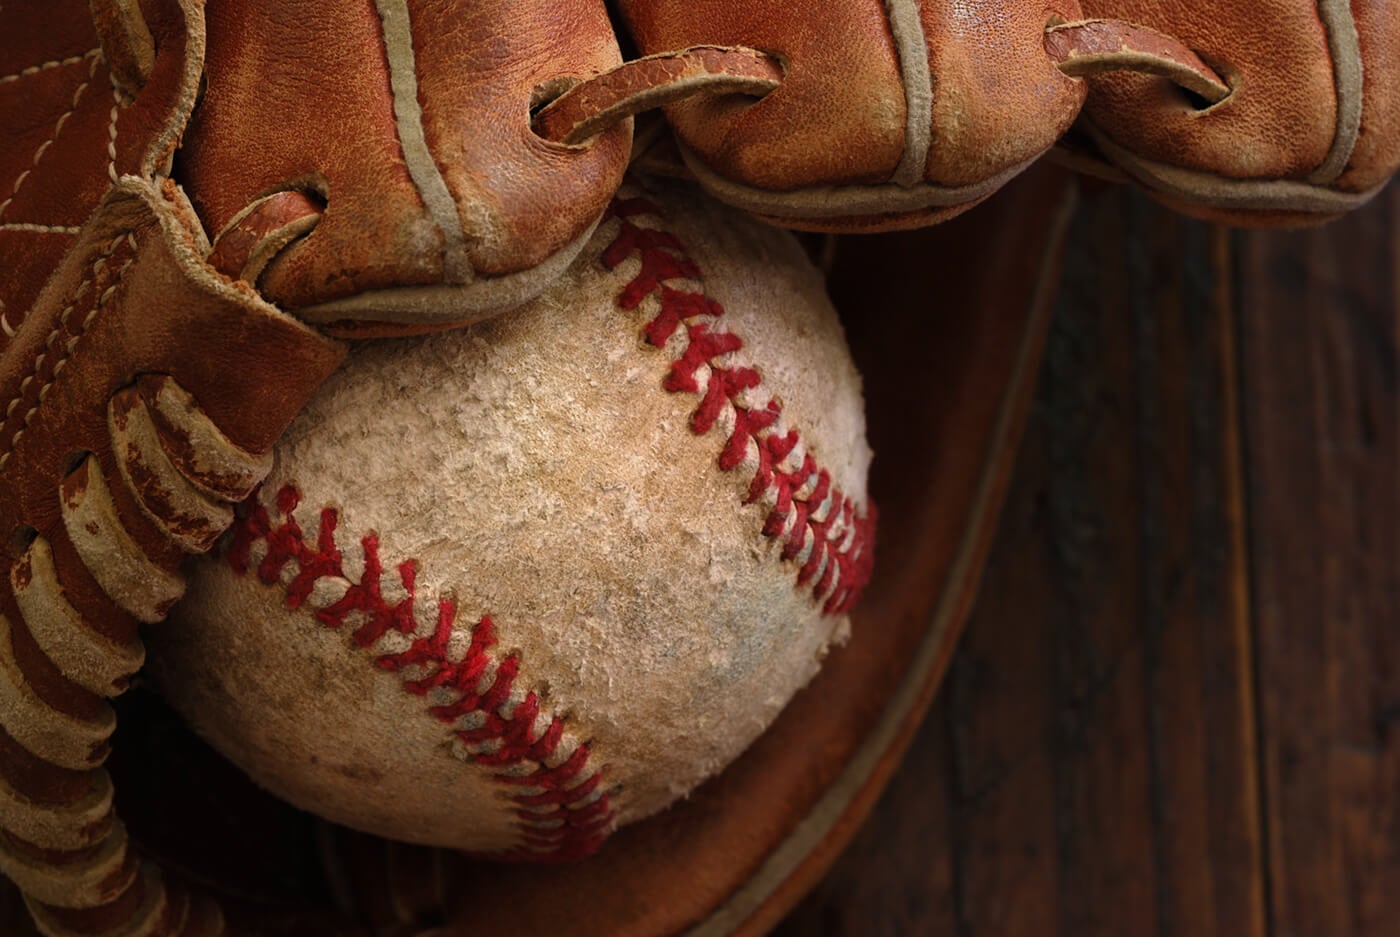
(1092,47)
(594,105)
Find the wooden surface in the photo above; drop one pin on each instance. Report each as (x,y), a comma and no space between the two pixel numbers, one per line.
(1176,711)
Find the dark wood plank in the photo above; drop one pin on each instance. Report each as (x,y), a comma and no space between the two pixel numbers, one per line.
(1096,739)
(1319,314)
(890,882)
(1195,613)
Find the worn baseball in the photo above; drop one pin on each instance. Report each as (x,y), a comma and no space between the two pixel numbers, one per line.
(509,588)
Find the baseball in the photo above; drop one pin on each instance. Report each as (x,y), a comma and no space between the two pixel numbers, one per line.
(511,587)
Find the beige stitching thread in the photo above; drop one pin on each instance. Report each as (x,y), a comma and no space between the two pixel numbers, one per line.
(49,66)
(40,228)
(112,132)
(96,56)
(911,48)
(99,267)
(441,206)
(57,129)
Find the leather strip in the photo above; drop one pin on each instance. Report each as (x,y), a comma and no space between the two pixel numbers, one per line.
(96,529)
(89,881)
(190,517)
(153,916)
(592,106)
(827,204)
(75,824)
(124,301)
(422,167)
(1199,188)
(68,741)
(1090,47)
(197,447)
(90,659)
(400,311)
(1345,44)
(257,234)
(127,44)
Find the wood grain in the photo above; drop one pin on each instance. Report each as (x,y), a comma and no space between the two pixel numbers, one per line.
(1319,315)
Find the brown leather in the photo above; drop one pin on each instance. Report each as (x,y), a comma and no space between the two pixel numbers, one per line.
(1311,128)
(133,355)
(591,106)
(143,391)
(372,166)
(1096,47)
(892,113)
(91,92)
(256,235)
(59,106)
(411,121)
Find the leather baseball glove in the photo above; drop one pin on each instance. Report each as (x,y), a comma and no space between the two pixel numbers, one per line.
(143,392)
(196,204)
(900,113)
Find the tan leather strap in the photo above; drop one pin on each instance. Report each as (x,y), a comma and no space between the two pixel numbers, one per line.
(1091,47)
(256,235)
(591,106)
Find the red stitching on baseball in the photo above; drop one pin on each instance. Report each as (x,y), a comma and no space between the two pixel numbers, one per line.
(577,824)
(805,507)
(564,814)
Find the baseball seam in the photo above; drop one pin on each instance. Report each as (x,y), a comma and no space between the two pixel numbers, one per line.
(819,526)
(561,804)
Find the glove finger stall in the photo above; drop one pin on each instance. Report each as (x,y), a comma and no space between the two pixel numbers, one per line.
(890,114)
(411,121)
(1309,130)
